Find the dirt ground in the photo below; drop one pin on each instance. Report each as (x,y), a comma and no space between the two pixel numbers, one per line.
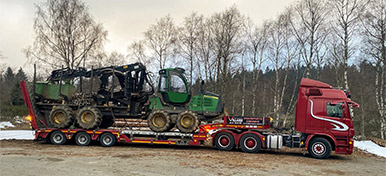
(22,157)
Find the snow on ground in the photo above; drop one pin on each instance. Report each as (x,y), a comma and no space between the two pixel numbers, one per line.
(371,147)
(6,124)
(17,134)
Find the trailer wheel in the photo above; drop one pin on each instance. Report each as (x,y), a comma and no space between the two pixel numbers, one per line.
(250,143)
(58,138)
(159,121)
(319,148)
(82,139)
(61,117)
(224,141)
(187,122)
(89,118)
(107,140)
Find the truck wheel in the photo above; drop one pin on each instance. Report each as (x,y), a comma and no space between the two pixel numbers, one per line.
(224,141)
(89,118)
(61,117)
(58,138)
(159,121)
(187,122)
(107,140)
(250,143)
(82,139)
(319,148)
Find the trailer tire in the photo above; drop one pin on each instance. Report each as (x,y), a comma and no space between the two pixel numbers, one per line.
(224,141)
(250,143)
(107,140)
(89,118)
(58,138)
(159,121)
(61,117)
(82,139)
(187,122)
(319,148)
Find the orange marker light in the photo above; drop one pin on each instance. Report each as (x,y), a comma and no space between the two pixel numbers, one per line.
(28,118)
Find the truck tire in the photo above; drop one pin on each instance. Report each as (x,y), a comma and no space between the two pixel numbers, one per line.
(58,138)
(319,148)
(250,143)
(89,118)
(187,122)
(107,140)
(159,121)
(61,117)
(82,139)
(224,141)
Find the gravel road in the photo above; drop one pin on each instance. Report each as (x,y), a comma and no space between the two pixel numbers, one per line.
(22,157)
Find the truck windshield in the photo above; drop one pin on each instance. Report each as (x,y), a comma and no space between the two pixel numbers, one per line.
(334,110)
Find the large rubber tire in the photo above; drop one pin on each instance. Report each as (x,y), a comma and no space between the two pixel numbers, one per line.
(250,143)
(224,141)
(89,118)
(107,140)
(319,148)
(58,138)
(61,117)
(82,139)
(187,122)
(159,121)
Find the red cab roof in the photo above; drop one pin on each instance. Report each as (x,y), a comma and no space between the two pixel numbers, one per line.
(313,83)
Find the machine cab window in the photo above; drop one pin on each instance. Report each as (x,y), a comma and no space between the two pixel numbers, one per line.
(177,84)
(334,110)
(162,84)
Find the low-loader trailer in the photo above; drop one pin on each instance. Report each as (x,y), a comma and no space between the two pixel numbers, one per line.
(322,124)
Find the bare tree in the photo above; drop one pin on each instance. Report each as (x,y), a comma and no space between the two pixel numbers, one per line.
(65,34)
(161,39)
(374,39)
(344,26)
(227,28)
(189,37)
(283,49)
(137,51)
(205,49)
(310,19)
(256,45)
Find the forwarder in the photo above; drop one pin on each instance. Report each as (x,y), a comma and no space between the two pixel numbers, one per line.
(123,92)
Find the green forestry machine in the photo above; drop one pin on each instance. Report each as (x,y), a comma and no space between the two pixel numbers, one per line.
(121,92)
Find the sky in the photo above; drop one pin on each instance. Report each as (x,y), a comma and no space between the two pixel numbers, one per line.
(125,20)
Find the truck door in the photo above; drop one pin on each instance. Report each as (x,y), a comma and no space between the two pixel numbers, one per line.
(315,114)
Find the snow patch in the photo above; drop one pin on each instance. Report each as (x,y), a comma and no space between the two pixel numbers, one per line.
(6,124)
(17,134)
(370,147)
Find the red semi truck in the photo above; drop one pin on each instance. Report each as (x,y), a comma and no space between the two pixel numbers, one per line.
(322,124)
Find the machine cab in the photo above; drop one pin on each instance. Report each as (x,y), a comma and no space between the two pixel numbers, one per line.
(173,86)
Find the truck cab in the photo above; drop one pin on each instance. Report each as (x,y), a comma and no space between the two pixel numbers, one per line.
(323,113)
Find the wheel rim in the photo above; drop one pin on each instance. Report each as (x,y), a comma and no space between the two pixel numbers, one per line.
(159,120)
(250,143)
(319,148)
(187,121)
(87,117)
(59,117)
(82,139)
(224,141)
(58,138)
(107,140)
